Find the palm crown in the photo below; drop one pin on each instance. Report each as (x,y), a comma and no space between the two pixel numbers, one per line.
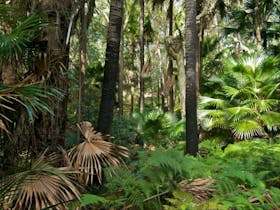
(246,101)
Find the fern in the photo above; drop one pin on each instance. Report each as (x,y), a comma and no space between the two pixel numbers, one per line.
(89,199)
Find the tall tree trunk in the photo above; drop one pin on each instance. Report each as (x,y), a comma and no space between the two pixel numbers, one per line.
(111,67)
(121,58)
(174,47)
(50,129)
(142,58)
(83,63)
(257,22)
(121,75)
(170,61)
(191,99)
(85,19)
(131,78)
(161,91)
(199,56)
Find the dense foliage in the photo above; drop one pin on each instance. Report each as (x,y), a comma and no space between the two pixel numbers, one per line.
(71,69)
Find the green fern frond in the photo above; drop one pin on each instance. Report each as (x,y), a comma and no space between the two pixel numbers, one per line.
(168,160)
(180,201)
(90,199)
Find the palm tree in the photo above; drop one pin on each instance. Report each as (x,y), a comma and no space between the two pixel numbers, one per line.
(246,99)
(111,68)
(191,99)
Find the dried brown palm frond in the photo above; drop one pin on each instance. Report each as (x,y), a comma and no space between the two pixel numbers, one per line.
(40,187)
(94,153)
(199,188)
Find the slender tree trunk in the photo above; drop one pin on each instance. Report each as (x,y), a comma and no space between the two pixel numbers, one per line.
(132,80)
(199,57)
(121,58)
(142,58)
(111,68)
(174,47)
(162,81)
(191,98)
(170,61)
(257,22)
(85,19)
(121,76)
(83,63)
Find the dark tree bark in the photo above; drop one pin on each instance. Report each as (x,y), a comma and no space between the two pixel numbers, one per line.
(131,77)
(111,68)
(142,58)
(170,61)
(191,99)
(121,74)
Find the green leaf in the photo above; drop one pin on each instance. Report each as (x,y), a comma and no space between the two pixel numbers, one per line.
(246,129)
(89,199)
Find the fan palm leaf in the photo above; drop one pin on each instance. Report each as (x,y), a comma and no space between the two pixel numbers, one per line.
(271,120)
(16,42)
(262,105)
(212,102)
(33,97)
(246,129)
(90,156)
(39,187)
(240,112)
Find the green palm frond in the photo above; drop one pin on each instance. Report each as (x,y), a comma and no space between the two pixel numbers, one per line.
(262,105)
(210,123)
(18,40)
(269,88)
(235,93)
(4,9)
(240,112)
(34,97)
(252,63)
(246,129)
(271,120)
(212,102)
(39,187)
(216,79)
